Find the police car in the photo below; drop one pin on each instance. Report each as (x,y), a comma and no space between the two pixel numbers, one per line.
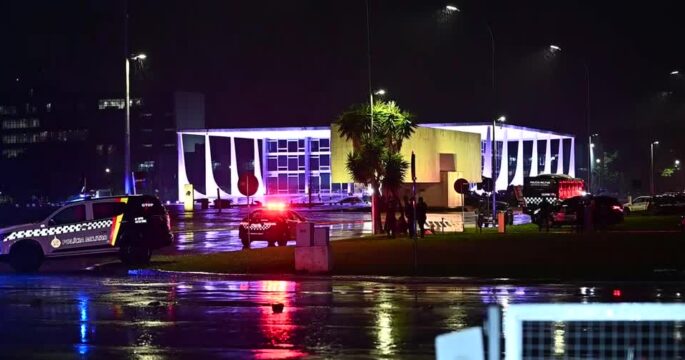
(133,226)
(274,223)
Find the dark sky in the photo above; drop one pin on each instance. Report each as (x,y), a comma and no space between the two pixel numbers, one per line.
(284,63)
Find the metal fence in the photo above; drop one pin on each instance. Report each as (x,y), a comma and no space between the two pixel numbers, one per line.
(594,331)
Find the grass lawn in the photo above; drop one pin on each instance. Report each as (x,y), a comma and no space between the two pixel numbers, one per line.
(522,252)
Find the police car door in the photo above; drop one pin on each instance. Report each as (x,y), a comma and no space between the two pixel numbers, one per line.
(109,213)
(64,228)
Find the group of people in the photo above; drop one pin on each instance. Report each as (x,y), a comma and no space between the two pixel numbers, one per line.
(404,224)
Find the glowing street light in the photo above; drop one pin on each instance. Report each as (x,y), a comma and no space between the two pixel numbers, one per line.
(598,161)
(502,118)
(107,170)
(676,162)
(675,72)
(651,168)
(380,92)
(554,48)
(451,8)
(128,177)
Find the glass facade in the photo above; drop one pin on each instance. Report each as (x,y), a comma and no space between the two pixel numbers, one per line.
(286,165)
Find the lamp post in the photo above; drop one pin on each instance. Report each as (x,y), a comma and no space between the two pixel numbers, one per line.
(651,167)
(128,176)
(554,49)
(591,147)
(500,119)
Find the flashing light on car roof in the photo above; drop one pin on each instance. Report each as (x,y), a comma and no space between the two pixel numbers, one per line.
(276,206)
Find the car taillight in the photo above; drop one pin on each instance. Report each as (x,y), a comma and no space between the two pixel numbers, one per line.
(617,207)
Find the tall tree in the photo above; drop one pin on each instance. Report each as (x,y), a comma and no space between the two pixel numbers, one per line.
(375,159)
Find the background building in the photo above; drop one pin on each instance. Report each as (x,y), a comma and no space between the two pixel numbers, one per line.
(290,161)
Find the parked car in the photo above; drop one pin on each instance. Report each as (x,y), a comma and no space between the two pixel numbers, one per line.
(352,200)
(274,223)
(639,204)
(133,225)
(607,211)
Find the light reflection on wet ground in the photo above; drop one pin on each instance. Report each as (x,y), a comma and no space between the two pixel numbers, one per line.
(178,317)
(207,231)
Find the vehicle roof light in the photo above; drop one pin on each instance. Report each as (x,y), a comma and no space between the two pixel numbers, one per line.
(276,206)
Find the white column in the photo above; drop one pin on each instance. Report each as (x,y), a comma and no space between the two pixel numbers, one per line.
(261,190)
(560,157)
(182,174)
(487,166)
(572,159)
(518,174)
(534,160)
(503,175)
(210,182)
(548,157)
(265,162)
(234,170)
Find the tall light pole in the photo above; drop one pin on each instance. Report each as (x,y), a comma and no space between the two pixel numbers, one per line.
(500,119)
(555,48)
(374,203)
(591,147)
(651,166)
(128,175)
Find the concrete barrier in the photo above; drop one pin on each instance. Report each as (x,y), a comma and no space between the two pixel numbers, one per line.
(313,250)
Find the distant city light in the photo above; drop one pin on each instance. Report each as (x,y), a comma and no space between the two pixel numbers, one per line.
(451,8)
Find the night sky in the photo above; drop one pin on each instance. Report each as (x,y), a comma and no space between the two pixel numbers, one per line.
(287,63)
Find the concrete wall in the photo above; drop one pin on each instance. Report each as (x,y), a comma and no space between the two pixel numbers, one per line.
(427,144)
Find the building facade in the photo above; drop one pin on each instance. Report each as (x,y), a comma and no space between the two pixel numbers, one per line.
(293,162)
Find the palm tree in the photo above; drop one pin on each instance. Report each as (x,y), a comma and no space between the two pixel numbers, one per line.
(375,159)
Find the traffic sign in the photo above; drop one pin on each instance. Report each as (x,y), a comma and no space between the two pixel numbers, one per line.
(487,184)
(461,186)
(248,184)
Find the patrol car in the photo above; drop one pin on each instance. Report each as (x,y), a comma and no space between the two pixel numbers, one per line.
(132,225)
(274,223)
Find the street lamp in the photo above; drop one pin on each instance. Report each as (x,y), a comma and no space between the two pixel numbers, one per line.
(452,8)
(651,168)
(555,48)
(500,119)
(128,176)
(675,72)
(676,162)
(380,92)
(107,170)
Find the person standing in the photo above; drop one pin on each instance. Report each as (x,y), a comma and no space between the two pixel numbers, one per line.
(409,214)
(390,219)
(421,215)
(543,220)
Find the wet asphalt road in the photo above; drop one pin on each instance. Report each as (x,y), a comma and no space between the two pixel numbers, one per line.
(207,231)
(152,316)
